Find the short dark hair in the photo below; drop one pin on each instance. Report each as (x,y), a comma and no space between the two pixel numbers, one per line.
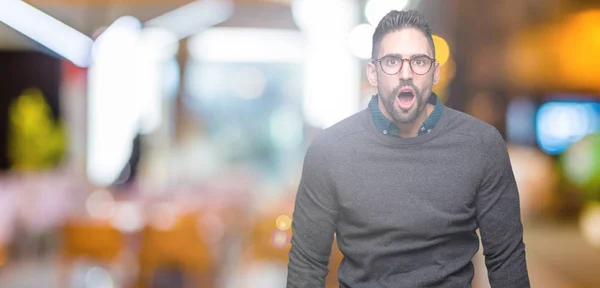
(396,20)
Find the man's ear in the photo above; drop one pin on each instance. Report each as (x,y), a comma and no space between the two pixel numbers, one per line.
(372,73)
(436,73)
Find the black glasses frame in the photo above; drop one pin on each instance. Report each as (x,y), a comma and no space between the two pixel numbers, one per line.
(409,63)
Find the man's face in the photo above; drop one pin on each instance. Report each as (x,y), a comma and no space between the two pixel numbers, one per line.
(405,94)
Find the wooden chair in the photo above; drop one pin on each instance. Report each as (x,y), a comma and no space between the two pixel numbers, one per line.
(3,256)
(88,240)
(334,264)
(267,243)
(179,248)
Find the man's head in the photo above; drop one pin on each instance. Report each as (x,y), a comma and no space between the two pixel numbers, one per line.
(403,65)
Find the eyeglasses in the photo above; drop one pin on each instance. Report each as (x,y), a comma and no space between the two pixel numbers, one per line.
(419,64)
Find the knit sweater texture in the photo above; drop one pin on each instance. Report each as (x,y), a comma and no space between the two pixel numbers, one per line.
(405,211)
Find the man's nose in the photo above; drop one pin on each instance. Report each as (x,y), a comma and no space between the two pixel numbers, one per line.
(405,71)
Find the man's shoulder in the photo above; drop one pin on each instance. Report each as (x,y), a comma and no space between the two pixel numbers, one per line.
(469,126)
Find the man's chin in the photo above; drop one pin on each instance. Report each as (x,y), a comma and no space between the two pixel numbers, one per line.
(406,117)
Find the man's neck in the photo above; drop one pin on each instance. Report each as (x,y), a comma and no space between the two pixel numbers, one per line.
(407,130)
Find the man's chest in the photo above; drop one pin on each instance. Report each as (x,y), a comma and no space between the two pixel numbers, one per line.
(407,191)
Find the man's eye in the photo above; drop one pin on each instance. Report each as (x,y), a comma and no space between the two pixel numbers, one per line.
(392,62)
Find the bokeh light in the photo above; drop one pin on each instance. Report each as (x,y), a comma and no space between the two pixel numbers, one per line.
(283,222)
(98,277)
(442,50)
(581,165)
(561,123)
(280,239)
(578,50)
(128,217)
(590,223)
(100,204)
(163,216)
(286,128)
(520,121)
(536,176)
(360,41)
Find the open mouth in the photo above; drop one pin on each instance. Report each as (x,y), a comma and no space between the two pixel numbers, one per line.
(405,98)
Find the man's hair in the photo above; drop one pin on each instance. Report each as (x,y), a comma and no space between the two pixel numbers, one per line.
(397,20)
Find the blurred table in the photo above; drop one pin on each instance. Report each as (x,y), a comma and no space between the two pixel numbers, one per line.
(558,251)
(557,255)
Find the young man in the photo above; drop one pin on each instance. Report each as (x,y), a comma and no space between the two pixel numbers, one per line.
(405,183)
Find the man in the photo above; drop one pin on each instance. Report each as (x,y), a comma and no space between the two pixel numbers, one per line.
(405,183)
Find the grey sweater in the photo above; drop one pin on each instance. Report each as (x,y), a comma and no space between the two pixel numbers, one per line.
(405,210)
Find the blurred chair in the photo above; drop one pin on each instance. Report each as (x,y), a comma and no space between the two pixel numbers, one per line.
(176,256)
(263,244)
(334,264)
(94,241)
(269,242)
(3,257)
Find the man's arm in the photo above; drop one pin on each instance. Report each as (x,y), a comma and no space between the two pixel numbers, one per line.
(499,218)
(313,223)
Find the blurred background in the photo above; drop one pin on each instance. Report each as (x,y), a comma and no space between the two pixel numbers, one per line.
(154,143)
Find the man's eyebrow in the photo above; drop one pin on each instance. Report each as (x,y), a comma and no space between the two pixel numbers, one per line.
(400,56)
